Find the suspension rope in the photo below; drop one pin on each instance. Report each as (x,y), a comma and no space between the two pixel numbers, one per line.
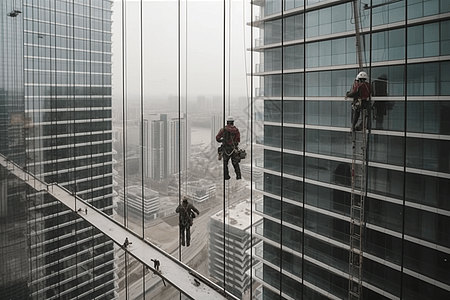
(186,103)
(179,117)
(142,122)
(224,113)
(251,140)
(282,144)
(124,113)
(249,99)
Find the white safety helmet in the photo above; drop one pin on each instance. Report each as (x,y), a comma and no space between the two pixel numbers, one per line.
(230,119)
(362,75)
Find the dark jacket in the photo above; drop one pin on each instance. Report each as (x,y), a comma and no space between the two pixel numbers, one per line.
(229,135)
(184,212)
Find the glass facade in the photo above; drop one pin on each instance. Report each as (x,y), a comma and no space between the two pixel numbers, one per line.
(307,149)
(131,145)
(56,124)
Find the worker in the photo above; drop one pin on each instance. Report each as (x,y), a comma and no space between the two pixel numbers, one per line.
(230,137)
(185,215)
(361,96)
(126,243)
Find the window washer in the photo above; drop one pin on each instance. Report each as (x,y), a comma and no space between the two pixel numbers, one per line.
(230,137)
(361,97)
(185,215)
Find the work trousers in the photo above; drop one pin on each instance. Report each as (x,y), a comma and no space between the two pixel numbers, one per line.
(185,233)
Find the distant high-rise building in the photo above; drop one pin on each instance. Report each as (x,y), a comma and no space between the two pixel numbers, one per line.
(154,140)
(178,143)
(166,143)
(55,121)
(308,61)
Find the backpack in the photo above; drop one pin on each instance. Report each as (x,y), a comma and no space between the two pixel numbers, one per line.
(228,136)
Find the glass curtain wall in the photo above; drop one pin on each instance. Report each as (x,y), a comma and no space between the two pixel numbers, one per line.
(180,70)
(120,103)
(307,149)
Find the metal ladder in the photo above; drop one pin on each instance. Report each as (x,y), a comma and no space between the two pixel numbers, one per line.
(357,224)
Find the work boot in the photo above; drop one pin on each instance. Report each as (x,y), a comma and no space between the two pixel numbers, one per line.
(227,177)
(238,176)
(219,156)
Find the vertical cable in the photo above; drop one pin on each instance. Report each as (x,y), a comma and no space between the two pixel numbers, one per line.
(282,149)
(303,151)
(186,103)
(224,110)
(54,111)
(405,115)
(179,116)
(124,115)
(142,122)
(251,148)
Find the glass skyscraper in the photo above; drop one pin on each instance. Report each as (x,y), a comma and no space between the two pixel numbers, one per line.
(307,62)
(56,123)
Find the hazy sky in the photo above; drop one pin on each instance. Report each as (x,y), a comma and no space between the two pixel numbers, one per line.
(201,47)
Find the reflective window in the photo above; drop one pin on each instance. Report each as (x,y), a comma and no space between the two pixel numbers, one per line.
(329,20)
(293,85)
(423,40)
(429,117)
(292,189)
(272,32)
(332,52)
(272,60)
(428,154)
(290,4)
(422,8)
(428,190)
(331,199)
(382,276)
(388,45)
(394,76)
(387,149)
(272,85)
(293,57)
(445,37)
(445,78)
(292,164)
(293,111)
(335,143)
(427,226)
(328,254)
(384,214)
(329,83)
(325,280)
(423,79)
(293,28)
(387,13)
(271,7)
(385,182)
(414,288)
(427,261)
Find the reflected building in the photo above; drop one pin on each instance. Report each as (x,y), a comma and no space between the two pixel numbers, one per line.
(308,61)
(55,122)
